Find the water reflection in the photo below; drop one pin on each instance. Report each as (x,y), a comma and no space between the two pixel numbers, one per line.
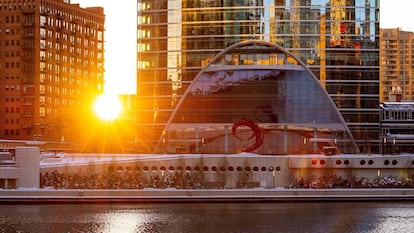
(120,221)
(209,217)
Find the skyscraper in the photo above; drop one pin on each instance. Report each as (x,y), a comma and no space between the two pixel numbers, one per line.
(338,40)
(51,68)
(397,63)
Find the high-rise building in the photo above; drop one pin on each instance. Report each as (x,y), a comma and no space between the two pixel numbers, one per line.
(338,40)
(397,65)
(51,68)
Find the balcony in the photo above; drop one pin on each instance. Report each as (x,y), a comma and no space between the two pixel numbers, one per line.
(27,11)
(28,58)
(28,81)
(28,24)
(28,35)
(28,90)
(59,16)
(27,126)
(28,46)
(27,115)
(45,13)
(28,69)
(27,104)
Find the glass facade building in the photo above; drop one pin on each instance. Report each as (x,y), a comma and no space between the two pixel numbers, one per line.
(337,40)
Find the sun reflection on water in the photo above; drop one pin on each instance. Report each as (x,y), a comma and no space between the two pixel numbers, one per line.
(122,222)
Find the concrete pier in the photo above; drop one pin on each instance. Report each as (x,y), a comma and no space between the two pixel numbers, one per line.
(231,177)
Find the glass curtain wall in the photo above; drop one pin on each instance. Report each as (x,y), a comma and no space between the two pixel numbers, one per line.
(256,97)
(338,40)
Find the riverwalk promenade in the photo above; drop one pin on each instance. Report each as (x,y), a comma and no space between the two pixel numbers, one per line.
(202,195)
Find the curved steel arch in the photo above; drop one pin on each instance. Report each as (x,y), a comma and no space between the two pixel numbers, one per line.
(260,43)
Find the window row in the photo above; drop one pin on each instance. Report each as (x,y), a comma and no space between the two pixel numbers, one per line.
(12,110)
(398,115)
(11,54)
(362,162)
(12,65)
(12,19)
(71,27)
(198,168)
(17,5)
(11,42)
(11,132)
(12,87)
(12,77)
(12,121)
(12,99)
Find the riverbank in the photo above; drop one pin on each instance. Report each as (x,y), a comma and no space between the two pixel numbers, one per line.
(211,195)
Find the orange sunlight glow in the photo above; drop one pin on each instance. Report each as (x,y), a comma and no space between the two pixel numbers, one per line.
(108,107)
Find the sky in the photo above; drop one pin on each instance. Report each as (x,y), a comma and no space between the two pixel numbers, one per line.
(120,36)
(397,14)
(120,43)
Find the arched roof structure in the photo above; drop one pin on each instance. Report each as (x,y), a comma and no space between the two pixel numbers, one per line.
(255,96)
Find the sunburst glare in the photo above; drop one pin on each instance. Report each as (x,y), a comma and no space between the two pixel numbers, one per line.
(108,107)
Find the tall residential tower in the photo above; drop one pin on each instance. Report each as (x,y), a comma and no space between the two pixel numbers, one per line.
(397,65)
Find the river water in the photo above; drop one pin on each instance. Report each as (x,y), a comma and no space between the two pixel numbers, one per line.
(320,217)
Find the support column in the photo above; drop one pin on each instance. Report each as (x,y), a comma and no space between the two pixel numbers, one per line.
(226,139)
(28,161)
(285,140)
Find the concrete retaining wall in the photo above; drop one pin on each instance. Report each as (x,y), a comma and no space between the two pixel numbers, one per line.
(231,171)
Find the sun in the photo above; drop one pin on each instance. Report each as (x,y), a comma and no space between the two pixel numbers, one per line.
(108,107)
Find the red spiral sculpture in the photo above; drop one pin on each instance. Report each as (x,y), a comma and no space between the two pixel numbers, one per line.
(257,133)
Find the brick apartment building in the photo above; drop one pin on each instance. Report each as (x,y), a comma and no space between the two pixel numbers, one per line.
(51,68)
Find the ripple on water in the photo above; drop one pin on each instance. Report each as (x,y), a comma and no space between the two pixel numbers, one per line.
(209,217)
